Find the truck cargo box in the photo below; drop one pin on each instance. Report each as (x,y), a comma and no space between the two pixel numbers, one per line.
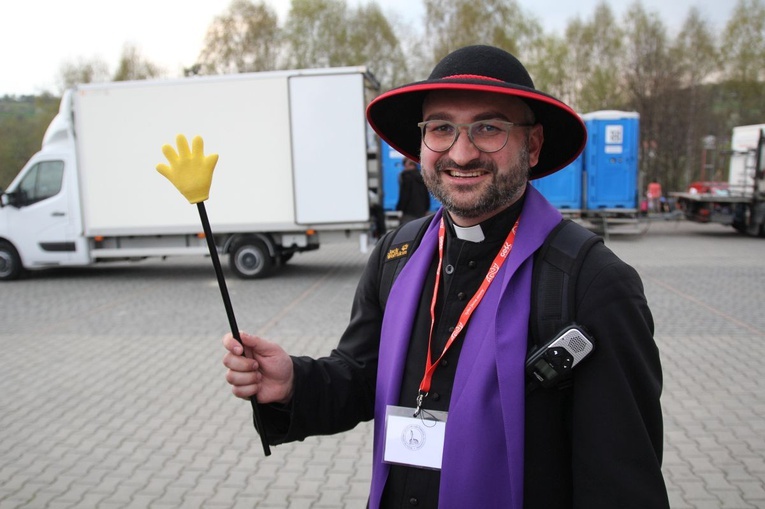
(293,164)
(289,157)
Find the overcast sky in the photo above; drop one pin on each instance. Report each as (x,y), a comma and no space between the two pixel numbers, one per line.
(38,36)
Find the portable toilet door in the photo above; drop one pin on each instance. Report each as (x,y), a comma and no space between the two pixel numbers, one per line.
(392,164)
(563,189)
(611,159)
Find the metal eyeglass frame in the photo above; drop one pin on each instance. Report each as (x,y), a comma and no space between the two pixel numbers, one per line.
(469,126)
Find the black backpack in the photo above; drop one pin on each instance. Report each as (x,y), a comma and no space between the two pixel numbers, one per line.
(556,267)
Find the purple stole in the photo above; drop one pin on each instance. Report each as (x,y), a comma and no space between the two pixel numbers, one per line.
(483,450)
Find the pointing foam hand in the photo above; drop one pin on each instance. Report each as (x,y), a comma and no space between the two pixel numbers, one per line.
(190,170)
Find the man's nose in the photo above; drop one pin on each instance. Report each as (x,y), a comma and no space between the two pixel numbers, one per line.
(463,150)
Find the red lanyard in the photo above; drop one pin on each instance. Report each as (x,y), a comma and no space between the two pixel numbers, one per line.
(430,367)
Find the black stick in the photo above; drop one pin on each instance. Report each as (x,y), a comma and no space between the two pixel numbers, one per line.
(230,313)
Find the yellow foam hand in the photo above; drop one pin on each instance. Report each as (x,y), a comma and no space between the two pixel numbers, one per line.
(190,170)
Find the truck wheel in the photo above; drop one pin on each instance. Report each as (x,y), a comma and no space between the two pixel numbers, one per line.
(10,262)
(250,259)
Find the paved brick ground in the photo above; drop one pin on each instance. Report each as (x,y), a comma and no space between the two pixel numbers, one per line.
(112,392)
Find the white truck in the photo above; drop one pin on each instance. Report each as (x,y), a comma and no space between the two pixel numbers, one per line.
(293,165)
(739,202)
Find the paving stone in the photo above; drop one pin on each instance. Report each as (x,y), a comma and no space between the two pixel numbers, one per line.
(134,411)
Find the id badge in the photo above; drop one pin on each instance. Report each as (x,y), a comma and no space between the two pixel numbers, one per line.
(414,441)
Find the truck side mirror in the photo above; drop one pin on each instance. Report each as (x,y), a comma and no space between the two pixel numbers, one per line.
(13,199)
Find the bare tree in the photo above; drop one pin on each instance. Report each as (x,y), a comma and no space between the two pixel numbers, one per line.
(743,47)
(71,73)
(595,50)
(326,33)
(650,76)
(316,33)
(696,57)
(372,42)
(744,42)
(246,38)
(451,24)
(417,63)
(134,66)
(604,88)
(551,70)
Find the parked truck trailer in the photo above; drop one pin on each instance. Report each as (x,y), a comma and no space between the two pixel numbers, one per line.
(740,202)
(293,167)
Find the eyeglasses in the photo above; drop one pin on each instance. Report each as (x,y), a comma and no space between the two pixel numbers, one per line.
(487,135)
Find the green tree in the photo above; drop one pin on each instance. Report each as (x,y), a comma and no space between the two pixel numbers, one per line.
(451,24)
(595,69)
(317,34)
(417,60)
(649,76)
(372,42)
(23,122)
(133,66)
(246,38)
(696,58)
(743,42)
(326,33)
(743,50)
(550,69)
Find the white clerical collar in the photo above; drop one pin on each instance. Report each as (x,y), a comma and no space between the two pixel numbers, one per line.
(470,233)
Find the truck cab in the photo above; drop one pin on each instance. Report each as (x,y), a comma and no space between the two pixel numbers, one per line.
(40,223)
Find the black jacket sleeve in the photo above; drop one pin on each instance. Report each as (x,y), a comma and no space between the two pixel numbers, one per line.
(335,393)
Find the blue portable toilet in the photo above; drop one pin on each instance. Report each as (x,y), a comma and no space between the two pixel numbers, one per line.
(563,189)
(392,162)
(611,159)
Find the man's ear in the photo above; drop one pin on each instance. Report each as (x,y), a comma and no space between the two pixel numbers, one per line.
(536,138)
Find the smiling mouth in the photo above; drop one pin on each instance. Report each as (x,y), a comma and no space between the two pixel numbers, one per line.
(465,174)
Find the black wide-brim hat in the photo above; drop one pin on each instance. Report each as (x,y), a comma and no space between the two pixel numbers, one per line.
(394,114)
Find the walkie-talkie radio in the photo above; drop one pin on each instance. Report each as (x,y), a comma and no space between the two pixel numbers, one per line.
(552,362)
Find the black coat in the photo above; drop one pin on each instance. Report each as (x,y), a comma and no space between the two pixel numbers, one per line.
(594,445)
(413,196)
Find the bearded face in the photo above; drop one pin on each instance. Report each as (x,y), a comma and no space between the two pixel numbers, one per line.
(472,184)
(479,199)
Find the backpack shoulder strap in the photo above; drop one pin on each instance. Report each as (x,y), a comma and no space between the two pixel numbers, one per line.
(556,267)
(400,244)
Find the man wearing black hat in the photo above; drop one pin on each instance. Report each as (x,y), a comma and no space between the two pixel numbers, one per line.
(440,367)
